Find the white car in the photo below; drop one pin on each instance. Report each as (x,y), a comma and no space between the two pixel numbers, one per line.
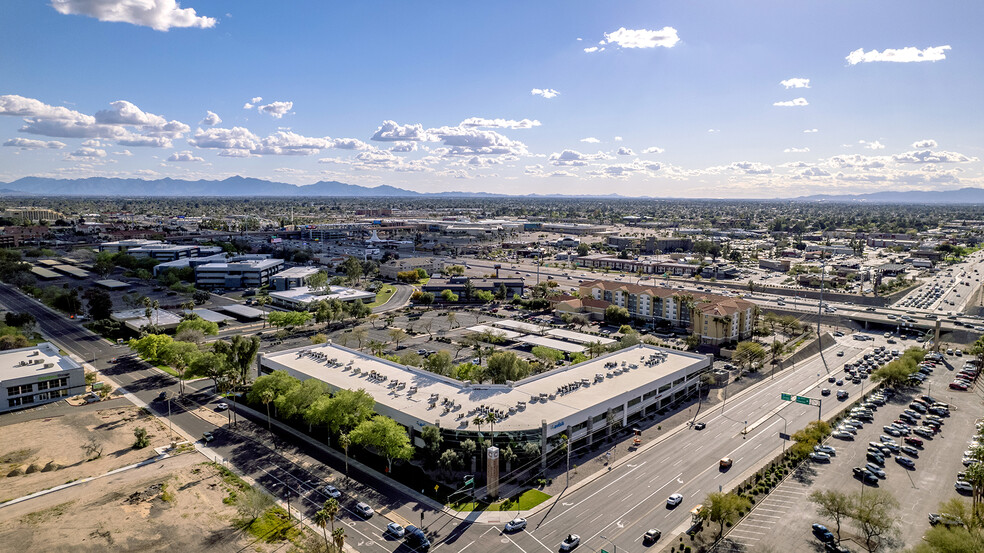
(829,450)
(395,529)
(963,486)
(331,491)
(820,457)
(516,524)
(222,406)
(674,500)
(364,510)
(842,435)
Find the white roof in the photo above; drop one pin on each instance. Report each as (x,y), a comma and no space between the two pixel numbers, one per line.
(507,334)
(519,326)
(296,272)
(112,283)
(211,316)
(566,347)
(242,311)
(577,337)
(31,361)
(252,263)
(376,376)
(304,295)
(137,318)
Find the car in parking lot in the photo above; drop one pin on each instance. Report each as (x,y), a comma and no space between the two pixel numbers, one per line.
(822,533)
(923,431)
(875,457)
(962,486)
(913,441)
(331,491)
(820,457)
(516,524)
(829,450)
(842,435)
(891,431)
(905,462)
(909,450)
(957,385)
(875,469)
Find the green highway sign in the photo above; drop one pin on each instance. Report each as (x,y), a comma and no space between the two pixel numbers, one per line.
(803,400)
(786,397)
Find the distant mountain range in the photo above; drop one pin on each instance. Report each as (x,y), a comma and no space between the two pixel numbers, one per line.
(249,187)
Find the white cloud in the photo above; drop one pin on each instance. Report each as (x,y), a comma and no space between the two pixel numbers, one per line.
(462,141)
(642,38)
(713,131)
(125,113)
(796,102)
(902,55)
(159,15)
(252,103)
(872,145)
(857,161)
(404,147)
(751,167)
(391,131)
(623,151)
(813,172)
(287,143)
(573,158)
(349,144)
(87,153)
(499,123)
(930,156)
(211,119)
(545,92)
(184,156)
(29,144)
(276,109)
(124,153)
(617,139)
(653,150)
(923,144)
(796,150)
(590,140)
(19,106)
(139,140)
(796,82)
(236,138)
(810,130)
(593,49)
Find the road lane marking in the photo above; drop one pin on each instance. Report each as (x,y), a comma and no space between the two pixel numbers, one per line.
(647,498)
(514,543)
(630,471)
(466,547)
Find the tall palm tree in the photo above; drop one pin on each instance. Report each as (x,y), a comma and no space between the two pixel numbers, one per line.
(478,421)
(345,442)
(491,418)
(338,537)
(267,396)
(321,519)
(157,312)
(331,508)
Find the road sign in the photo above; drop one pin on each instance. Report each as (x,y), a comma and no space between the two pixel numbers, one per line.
(784,436)
(786,397)
(803,399)
(603,551)
(469,480)
(815,402)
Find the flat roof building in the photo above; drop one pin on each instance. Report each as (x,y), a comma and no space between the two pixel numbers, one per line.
(581,401)
(246,273)
(390,269)
(124,245)
(292,278)
(35,375)
(303,297)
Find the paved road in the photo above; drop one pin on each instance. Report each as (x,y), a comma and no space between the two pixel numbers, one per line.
(620,506)
(398,300)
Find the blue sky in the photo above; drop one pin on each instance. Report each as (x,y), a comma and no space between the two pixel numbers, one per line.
(653,98)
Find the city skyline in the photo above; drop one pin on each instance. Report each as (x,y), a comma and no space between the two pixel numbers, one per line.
(643,99)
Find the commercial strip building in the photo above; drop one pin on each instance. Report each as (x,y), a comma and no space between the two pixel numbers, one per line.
(459,285)
(303,297)
(715,318)
(237,273)
(582,401)
(656,267)
(37,374)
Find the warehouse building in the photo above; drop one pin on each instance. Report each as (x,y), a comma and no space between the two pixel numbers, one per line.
(36,375)
(584,401)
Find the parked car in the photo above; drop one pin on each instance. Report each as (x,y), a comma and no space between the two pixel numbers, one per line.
(905,462)
(913,441)
(331,491)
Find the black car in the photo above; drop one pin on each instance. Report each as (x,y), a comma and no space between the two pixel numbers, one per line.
(700,426)
(875,458)
(863,474)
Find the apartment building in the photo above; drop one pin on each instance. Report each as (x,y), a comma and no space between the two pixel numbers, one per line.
(35,375)
(717,319)
(32,214)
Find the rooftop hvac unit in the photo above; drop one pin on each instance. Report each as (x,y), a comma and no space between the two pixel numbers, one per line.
(49,365)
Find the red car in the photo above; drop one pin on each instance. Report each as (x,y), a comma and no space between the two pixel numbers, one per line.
(913,441)
(958,386)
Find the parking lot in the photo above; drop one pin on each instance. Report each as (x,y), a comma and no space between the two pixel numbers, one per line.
(783,519)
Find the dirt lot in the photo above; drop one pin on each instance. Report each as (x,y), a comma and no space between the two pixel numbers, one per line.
(173,505)
(39,454)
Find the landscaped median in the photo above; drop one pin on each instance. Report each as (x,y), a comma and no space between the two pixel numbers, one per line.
(520,502)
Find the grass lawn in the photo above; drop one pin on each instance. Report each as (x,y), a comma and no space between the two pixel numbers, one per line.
(524,501)
(383,295)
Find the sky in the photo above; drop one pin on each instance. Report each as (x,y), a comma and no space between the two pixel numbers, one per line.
(700,99)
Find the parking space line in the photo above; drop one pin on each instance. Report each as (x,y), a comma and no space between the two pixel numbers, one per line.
(756,526)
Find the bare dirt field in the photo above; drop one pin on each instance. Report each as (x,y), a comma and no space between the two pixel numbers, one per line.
(172,505)
(39,454)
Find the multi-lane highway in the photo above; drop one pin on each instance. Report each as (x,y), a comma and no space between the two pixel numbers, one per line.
(620,505)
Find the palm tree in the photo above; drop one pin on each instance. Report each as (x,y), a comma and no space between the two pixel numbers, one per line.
(478,421)
(267,396)
(261,301)
(345,442)
(491,418)
(157,312)
(338,537)
(321,519)
(331,508)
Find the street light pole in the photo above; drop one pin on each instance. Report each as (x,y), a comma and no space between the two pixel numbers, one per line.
(614,547)
(784,433)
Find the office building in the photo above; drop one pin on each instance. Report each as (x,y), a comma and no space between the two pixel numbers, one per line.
(35,375)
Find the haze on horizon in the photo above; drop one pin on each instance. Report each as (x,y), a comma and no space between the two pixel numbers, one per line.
(716,99)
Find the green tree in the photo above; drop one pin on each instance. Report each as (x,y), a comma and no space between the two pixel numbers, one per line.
(212,365)
(875,515)
(748,353)
(283,319)
(386,437)
(432,442)
(179,356)
(338,539)
(295,400)
(321,519)
(724,509)
(195,322)
(343,411)
(318,282)
(240,352)
(352,268)
(397,335)
(358,310)
(506,365)
(548,356)
(344,442)
(834,505)
(100,303)
(449,461)
(142,438)
(615,315)
(150,346)
(439,363)
(449,296)
(267,396)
